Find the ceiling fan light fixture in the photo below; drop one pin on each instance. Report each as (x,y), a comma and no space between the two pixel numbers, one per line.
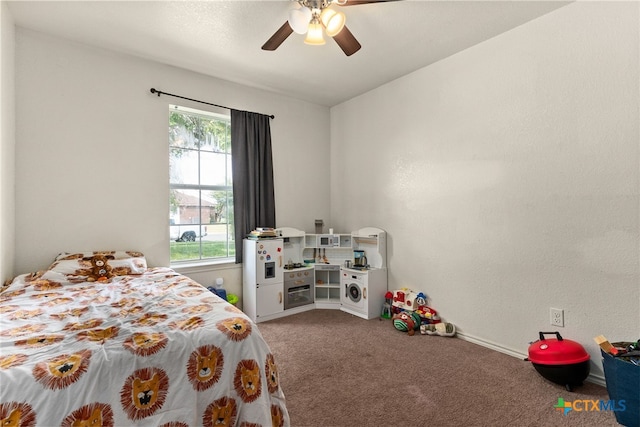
(299,19)
(333,21)
(315,18)
(314,34)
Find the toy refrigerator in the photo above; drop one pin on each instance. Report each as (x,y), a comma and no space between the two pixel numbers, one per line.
(262,278)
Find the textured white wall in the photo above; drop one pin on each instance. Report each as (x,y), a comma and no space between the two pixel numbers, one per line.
(507,177)
(7,143)
(92,155)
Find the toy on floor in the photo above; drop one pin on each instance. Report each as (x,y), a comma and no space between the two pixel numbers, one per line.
(404,299)
(407,300)
(406,321)
(386,306)
(411,313)
(442,329)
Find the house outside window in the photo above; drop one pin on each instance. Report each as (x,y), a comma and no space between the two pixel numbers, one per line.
(200,186)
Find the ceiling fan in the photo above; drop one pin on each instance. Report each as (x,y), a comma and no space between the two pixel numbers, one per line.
(315,17)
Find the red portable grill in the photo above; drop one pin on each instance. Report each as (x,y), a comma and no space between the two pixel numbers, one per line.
(561,361)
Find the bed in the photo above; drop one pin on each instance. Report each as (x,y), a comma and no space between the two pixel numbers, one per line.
(120,344)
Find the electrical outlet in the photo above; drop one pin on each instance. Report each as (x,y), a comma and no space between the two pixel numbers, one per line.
(557,317)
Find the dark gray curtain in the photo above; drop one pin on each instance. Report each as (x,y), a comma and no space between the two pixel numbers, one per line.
(253,193)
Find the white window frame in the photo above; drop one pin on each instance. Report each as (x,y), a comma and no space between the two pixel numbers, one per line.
(201,260)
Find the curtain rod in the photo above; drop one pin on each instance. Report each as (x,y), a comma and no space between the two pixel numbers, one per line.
(153,90)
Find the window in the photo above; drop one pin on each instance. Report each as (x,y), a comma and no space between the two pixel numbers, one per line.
(200,186)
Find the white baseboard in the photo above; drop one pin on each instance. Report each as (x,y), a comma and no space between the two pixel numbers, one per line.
(596,379)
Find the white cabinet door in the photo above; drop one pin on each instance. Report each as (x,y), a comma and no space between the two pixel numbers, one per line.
(270,299)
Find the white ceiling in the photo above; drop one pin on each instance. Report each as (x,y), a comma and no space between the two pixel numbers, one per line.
(223,38)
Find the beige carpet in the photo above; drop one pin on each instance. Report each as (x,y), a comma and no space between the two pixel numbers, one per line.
(340,370)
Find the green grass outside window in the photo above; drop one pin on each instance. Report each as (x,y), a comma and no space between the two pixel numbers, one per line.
(190,251)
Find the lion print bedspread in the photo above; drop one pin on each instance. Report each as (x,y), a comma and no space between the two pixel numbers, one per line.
(155,349)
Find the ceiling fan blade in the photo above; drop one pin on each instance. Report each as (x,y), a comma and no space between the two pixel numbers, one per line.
(278,37)
(358,2)
(347,41)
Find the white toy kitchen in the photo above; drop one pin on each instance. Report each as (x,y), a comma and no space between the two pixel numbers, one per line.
(296,272)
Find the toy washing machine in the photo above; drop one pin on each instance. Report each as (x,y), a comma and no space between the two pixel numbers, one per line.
(362,291)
